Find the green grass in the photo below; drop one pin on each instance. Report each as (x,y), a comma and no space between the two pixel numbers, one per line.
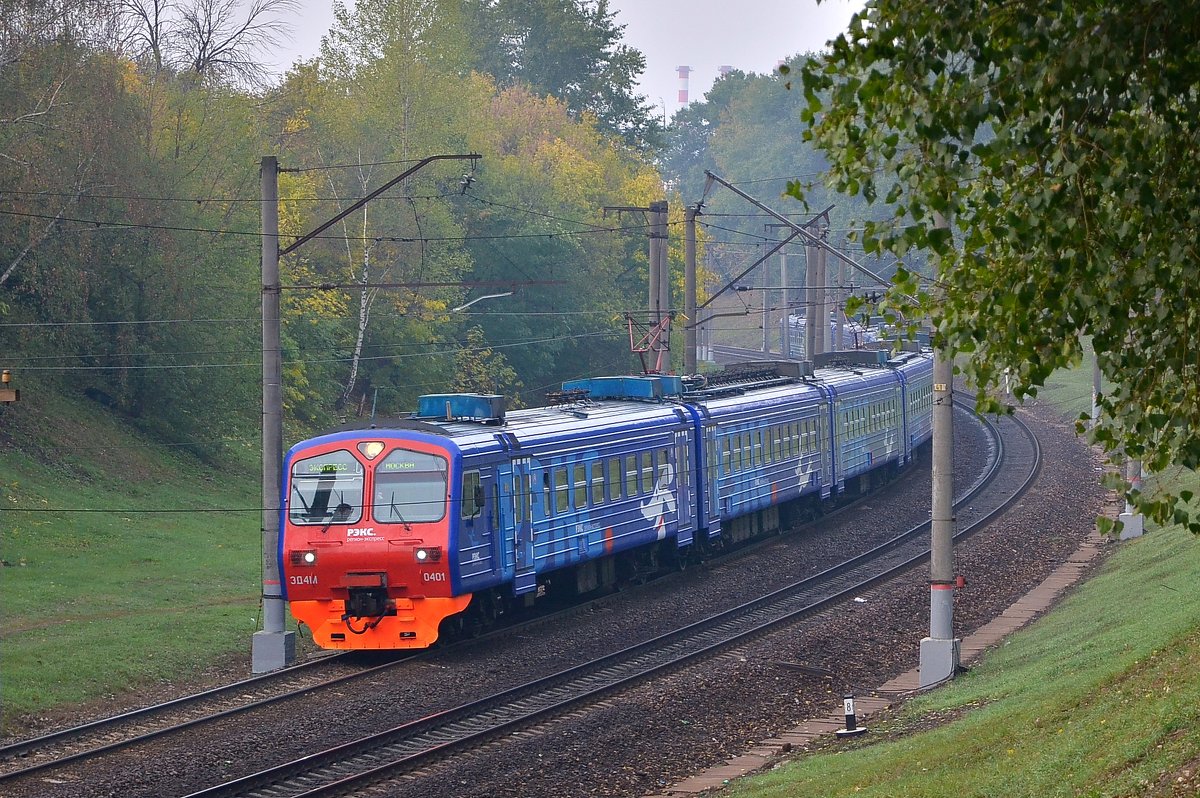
(1098,698)
(1071,389)
(98,599)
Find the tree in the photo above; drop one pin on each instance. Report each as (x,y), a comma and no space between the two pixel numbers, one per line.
(480,369)
(425,32)
(43,47)
(392,86)
(1059,141)
(537,215)
(569,49)
(687,152)
(216,41)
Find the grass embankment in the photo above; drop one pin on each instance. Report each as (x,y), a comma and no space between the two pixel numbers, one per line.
(1101,697)
(99,599)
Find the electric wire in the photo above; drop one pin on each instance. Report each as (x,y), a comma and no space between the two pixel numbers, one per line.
(221,200)
(97,224)
(313,361)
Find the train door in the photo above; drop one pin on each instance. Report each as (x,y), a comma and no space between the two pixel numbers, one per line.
(683,491)
(525,505)
(504,478)
(476,541)
(902,418)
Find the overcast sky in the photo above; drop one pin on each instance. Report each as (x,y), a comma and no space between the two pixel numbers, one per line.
(751,35)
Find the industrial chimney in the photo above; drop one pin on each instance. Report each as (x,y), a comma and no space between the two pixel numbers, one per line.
(683,72)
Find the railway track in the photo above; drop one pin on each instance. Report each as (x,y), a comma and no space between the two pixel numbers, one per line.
(107,735)
(383,760)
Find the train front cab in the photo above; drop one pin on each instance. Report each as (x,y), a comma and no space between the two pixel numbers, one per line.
(365,553)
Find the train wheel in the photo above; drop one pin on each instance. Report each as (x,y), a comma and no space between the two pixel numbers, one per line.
(481,617)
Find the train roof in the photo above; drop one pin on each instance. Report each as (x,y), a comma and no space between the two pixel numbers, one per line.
(539,426)
(478,423)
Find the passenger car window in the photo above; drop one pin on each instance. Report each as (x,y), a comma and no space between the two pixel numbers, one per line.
(562,496)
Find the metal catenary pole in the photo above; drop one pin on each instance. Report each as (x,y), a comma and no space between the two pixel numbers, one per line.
(689,290)
(939,657)
(272,647)
(662,263)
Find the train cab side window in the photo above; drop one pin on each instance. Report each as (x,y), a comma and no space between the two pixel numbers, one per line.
(471,488)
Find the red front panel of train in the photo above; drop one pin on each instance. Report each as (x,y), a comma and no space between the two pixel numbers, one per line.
(365,550)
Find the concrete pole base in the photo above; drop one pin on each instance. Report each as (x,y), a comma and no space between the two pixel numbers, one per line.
(939,660)
(270,651)
(1131,525)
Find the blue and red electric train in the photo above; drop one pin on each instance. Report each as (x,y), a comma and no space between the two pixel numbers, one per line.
(463,511)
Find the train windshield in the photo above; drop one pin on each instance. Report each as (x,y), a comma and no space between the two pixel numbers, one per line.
(410,487)
(326,489)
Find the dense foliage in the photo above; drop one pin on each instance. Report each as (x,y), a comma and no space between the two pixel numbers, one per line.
(1059,141)
(129,212)
(570,49)
(743,130)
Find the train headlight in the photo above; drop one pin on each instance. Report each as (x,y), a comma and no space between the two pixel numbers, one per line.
(371,449)
(308,557)
(428,553)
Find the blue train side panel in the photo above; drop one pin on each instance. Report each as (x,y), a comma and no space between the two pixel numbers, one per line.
(766,447)
(867,415)
(573,486)
(917,371)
